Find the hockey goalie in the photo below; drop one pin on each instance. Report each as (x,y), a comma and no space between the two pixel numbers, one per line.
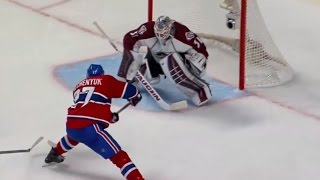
(167,47)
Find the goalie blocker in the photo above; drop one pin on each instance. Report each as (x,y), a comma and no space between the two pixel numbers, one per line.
(173,66)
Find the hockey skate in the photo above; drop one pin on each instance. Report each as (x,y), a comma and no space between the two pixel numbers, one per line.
(53,157)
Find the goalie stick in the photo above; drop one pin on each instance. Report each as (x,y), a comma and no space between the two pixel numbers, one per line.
(23,150)
(153,93)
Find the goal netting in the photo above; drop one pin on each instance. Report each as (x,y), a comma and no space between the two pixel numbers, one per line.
(236,25)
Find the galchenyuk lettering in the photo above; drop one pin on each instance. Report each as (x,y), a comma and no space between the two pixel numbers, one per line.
(90,82)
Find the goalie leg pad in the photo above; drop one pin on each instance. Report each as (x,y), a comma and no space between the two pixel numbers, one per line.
(195,88)
(130,64)
(127,60)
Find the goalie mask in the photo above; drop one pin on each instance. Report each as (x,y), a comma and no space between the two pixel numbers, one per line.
(163,28)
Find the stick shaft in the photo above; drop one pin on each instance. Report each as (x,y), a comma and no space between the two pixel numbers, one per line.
(106,36)
(23,150)
(15,151)
(123,108)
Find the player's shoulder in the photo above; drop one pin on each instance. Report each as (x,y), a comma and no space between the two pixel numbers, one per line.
(107,77)
(112,79)
(180,27)
(148,24)
(183,33)
(145,30)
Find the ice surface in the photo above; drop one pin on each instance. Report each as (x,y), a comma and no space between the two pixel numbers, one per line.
(272,134)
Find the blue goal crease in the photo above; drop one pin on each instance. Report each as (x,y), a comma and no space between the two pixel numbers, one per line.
(71,75)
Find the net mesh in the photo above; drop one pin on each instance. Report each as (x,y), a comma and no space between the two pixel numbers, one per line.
(264,64)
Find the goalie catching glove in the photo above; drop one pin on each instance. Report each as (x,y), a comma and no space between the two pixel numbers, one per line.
(198,63)
(135,99)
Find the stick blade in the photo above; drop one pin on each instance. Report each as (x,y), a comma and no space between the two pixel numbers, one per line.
(23,150)
(179,105)
(36,142)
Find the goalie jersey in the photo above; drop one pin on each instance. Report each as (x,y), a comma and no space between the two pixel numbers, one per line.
(182,41)
(92,100)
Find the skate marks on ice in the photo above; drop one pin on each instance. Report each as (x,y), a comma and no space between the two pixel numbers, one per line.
(70,74)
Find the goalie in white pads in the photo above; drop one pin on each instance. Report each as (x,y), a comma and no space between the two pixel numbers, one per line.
(167,47)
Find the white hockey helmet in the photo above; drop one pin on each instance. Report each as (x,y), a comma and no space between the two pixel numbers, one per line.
(163,27)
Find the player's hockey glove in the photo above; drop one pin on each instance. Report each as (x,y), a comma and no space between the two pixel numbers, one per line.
(115,117)
(135,100)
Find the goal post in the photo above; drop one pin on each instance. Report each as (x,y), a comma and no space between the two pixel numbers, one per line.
(237,24)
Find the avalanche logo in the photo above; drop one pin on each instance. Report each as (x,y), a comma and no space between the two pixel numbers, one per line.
(189,35)
(142,30)
(70,75)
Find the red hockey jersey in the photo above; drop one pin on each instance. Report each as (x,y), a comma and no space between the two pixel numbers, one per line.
(92,100)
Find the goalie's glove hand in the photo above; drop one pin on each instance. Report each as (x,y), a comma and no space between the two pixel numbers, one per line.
(197,61)
(135,99)
(115,117)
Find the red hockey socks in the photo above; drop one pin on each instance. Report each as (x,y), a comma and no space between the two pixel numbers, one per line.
(65,144)
(127,168)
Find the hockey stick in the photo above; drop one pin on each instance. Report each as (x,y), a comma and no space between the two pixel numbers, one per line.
(123,108)
(153,93)
(23,150)
(106,36)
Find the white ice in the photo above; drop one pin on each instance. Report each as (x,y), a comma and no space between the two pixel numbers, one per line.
(272,135)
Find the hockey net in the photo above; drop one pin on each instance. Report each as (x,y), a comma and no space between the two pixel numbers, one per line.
(236,25)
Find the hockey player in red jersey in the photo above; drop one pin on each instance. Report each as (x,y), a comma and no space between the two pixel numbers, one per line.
(172,50)
(89,116)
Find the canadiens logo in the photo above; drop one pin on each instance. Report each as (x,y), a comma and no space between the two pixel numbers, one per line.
(142,30)
(189,35)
